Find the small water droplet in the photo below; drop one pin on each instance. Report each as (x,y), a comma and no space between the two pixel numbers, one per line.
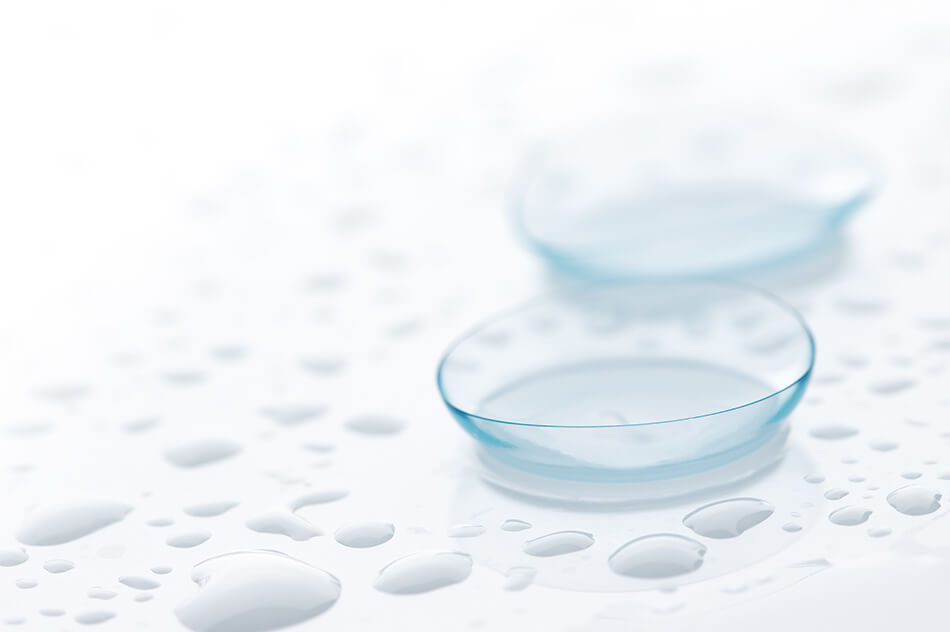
(914,500)
(58,566)
(142,597)
(361,535)
(911,476)
(139,583)
(836,493)
(466,530)
(879,532)
(792,527)
(59,524)
(728,518)
(135,426)
(98,592)
(26,583)
(814,479)
(188,539)
(558,543)
(52,612)
(252,591)
(891,386)
(92,617)
(294,414)
(323,365)
(857,478)
(210,509)
(160,522)
(658,556)
(833,431)
(883,445)
(424,572)
(375,425)
(519,577)
(161,570)
(201,452)
(13,556)
(513,524)
(849,516)
(283,523)
(318,497)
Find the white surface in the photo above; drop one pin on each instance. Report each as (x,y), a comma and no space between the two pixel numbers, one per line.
(178,178)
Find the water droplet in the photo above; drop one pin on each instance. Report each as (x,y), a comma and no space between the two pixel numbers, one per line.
(883,445)
(792,527)
(210,509)
(253,591)
(728,518)
(14,620)
(52,612)
(26,583)
(136,426)
(814,479)
(27,428)
(423,572)
(513,524)
(891,386)
(58,566)
(836,493)
(318,498)
(375,424)
(288,524)
(13,556)
(139,583)
(188,539)
(361,535)
(658,556)
(323,365)
(466,531)
(184,377)
(879,532)
(320,448)
(63,523)
(161,570)
(294,414)
(519,577)
(914,500)
(558,543)
(160,522)
(201,452)
(911,476)
(857,478)
(98,592)
(833,431)
(141,597)
(944,475)
(849,516)
(92,617)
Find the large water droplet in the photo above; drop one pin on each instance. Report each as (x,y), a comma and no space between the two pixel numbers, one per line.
(658,556)
(914,500)
(849,516)
(558,543)
(375,424)
(58,566)
(92,617)
(519,577)
(201,452)
(833,431)
(318,498)
(728,518)
(13,556)
(513,524)
(139,583)
(363,535)
(210,509)
(288,524)
(64,523)
(422,572)
(253,591)
(188,539)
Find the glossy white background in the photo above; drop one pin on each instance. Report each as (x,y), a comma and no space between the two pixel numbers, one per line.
(305,180)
